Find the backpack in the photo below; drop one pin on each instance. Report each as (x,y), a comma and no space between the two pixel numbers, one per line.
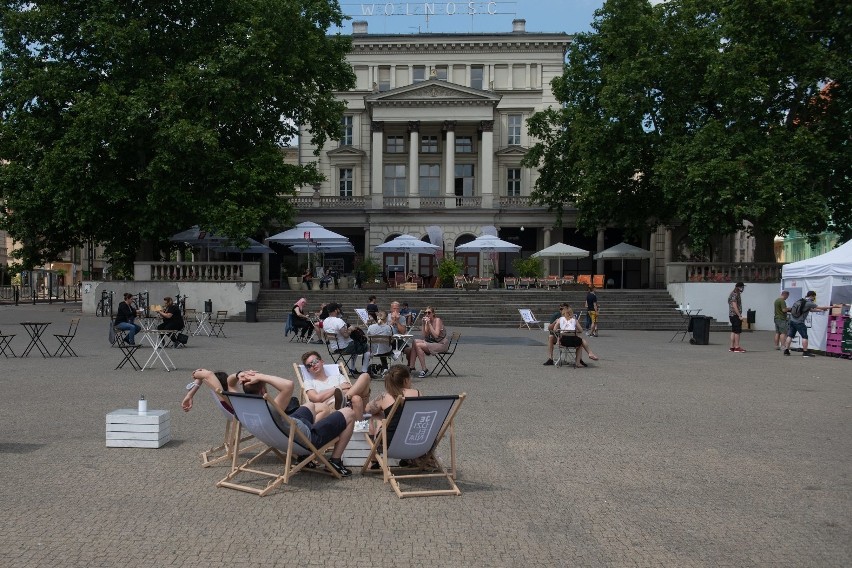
(798,309)
(112,338)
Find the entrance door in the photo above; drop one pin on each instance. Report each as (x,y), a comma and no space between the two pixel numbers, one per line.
(426,268)
(470,261)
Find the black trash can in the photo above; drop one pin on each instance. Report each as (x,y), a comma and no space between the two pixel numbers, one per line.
(700,326)
(208,306)
(251,311)
(751,316)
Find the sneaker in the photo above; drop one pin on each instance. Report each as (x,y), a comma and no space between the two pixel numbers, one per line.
(739,350)
(806,354)
(732,350)
(594,335)
(583,363)
(338,398)
(786,352)
(338,466)
(423,373)
(549,362)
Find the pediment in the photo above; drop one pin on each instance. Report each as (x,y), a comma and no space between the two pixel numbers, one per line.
(435,91)
(511,151)
(345,151)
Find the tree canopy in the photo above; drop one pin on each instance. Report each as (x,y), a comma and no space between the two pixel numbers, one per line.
(703,113)
(127,121)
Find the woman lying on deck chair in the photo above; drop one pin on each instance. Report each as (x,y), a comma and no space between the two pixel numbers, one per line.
(228,383)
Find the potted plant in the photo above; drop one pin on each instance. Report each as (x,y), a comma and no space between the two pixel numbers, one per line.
(448,268)
(528,267)
(370,271)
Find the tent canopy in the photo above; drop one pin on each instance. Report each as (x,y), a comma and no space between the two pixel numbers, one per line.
(837,262)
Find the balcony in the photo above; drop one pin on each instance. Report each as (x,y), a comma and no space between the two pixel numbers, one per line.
(223,271)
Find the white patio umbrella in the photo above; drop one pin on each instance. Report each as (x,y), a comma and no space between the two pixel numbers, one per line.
(622,251)
(560,251)
(488,243)
(194,236)
(253,247)
(308,232)
(408,245)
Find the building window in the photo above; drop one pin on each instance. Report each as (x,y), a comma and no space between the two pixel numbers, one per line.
(464,145)
(346,131)
(395,145)
(464,180)
(430,180)
(514,135)
(513,177)
(440,72)
(419,73)
(395,180)
(429,145)
(384,79)
(476,76)
(347,182)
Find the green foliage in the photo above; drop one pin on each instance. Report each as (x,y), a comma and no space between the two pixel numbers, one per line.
(703,113)
(528,267)
(370,268)
(125,122)
(448,268)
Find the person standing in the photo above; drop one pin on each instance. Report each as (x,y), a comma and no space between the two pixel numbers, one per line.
(798,314)
(124,319)
(592,312)
(781,309)
(735,314)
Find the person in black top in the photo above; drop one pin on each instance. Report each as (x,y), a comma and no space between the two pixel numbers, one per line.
(372,308)
(124,319)
(172,318)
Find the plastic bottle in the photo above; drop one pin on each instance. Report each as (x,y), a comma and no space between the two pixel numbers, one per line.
(143,405)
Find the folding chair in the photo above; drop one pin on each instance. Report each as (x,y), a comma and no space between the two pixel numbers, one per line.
(217,324)
(268,423)
(412,430)
(347,360)
(233,436)
(459,281)
(190,319)
(443,358)
(566,355)
(129,351)
(380,346)
(330,370)
(288,328)
(66,338)
(528,319)
(5,345)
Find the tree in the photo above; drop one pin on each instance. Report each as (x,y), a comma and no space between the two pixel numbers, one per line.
(129,121)
(704,113)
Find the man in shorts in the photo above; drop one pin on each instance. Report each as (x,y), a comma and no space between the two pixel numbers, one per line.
(781,309)
(735,314)
(592,312)
(797,324)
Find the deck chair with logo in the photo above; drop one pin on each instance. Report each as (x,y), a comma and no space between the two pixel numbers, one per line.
(411,431)
(233,437)
(267,422)
(301,373)
(529,320)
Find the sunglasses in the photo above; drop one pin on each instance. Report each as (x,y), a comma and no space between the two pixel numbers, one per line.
(427,312)
(312,363)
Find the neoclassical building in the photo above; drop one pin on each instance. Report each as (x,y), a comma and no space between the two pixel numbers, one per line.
(433,135)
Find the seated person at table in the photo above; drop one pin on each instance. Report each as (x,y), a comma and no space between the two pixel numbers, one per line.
(397,319)
(301,321)
(307,278)
(412,276)
(322,388)
(172,318)
(318,430)
(381,328)
(343,342)
(124,319)
(434,340)
(568,323)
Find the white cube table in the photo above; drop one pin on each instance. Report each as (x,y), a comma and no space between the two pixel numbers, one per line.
(126,428)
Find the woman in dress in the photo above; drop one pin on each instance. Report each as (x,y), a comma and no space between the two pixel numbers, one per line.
(434,340)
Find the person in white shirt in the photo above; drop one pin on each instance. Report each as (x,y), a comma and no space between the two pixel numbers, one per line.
(567,323)
(321,386)
(343,342)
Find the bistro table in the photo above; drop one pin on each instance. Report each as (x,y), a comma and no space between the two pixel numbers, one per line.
(156,338)
(35,329)
(148,324)
(685,314)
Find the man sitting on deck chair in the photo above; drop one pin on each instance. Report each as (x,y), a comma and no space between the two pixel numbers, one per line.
(339,423)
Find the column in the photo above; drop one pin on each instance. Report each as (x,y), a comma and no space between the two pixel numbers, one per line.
(486,163)
(600,266)
(545,242)
(414,164)
(667,254)
(449,165)
(376,174)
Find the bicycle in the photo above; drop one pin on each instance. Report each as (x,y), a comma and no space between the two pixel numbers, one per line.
(104,307)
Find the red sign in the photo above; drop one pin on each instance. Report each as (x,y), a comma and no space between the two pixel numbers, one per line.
(307,235)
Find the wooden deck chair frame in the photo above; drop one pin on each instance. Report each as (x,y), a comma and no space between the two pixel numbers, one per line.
(301,372)
(584,279)
(443,358)
(528,319)
(526,283)
(459,281)
(510,283)
(255,414)
(423,423)
(598,281)
(66,338)
(233,438)
(128,351)
(217,324)
(6,345)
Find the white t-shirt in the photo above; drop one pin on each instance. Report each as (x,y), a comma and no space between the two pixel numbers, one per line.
(335,379)
(379,330)
(567,324)
(333,324)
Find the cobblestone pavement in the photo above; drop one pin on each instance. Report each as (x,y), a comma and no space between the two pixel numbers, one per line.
(660,454)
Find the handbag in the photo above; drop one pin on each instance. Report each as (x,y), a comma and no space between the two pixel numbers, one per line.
(182,338)
(112,337)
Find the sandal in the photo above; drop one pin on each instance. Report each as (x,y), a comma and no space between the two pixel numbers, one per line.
(593,357)
(583,363)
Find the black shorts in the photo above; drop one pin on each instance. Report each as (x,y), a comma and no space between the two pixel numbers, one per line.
(325,430)
(570,341)
(736,324)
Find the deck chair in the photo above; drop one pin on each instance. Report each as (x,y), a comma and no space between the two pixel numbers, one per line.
(598,280)
(443,358)
(301,372)
(233,438)
(412,430)
(66,338)
(510,283)
(217,324)
(526,283)
(528,319)
(584,279)
(380,347)
(128,351)
(268,423)
(459,281)
(5,345)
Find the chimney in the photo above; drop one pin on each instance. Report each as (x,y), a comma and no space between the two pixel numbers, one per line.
(359,28)
(519,26)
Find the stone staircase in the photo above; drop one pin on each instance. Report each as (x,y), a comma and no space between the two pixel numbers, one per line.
(621,309)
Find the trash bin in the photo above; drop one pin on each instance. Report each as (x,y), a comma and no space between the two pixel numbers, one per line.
(700,326)
(251,311)
(751,316)
(208,306)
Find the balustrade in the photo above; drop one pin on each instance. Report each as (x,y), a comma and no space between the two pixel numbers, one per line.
(222,271)
(723,272)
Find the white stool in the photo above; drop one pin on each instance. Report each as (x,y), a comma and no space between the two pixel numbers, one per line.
(126,428)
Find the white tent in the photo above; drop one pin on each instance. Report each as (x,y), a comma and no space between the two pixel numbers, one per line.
(830,276)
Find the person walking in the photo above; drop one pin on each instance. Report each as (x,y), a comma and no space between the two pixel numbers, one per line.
(592,312)
(735,314)
(798,313)
(781,309)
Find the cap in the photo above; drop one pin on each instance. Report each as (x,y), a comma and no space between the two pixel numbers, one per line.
(333,307)
(740,285)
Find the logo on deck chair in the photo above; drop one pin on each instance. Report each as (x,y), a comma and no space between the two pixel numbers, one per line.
(421,427)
